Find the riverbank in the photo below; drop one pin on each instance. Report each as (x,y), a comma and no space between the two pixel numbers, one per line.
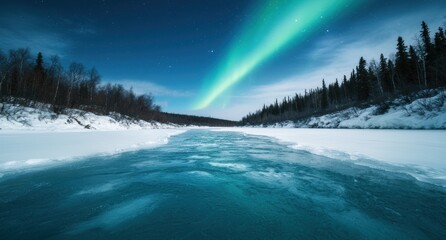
(421,150)
(22,150)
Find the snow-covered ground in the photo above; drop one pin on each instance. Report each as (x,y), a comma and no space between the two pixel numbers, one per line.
(17,117)
(26,150)
(37,137)
(427,111)
(421,153)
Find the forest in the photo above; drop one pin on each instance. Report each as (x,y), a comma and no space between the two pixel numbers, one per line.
(26,80)
(413,68)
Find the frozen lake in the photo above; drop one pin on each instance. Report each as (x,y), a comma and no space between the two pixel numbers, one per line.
(219,185)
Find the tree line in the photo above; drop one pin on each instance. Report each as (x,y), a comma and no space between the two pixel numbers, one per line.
(76,86)
(412,68)
(24,79)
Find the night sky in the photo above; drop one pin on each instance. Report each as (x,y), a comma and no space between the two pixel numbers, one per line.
(219,58)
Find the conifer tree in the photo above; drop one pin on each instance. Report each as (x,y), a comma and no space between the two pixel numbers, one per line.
(337,92)
(385,75)
(401,62)
(363,80)
(324,101)
(425,37)
(414,68)
(427,51)
(38,87)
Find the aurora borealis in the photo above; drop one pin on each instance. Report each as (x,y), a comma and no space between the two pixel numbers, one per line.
(276,25)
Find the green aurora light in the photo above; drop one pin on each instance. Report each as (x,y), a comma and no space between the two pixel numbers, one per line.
(274,26)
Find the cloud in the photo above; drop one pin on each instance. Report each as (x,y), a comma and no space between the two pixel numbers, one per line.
(147,87)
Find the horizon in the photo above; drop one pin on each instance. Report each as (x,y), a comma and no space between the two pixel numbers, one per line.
(181,53)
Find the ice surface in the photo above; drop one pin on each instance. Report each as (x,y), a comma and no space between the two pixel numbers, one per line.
(423,151)
(200,173)
(232,166)
(160,194)
(118,214)
(101,188)
(198,157)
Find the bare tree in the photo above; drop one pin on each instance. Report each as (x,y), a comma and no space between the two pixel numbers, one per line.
(93,80)
(75,75)
(55,72)
(420,50)
(20,62)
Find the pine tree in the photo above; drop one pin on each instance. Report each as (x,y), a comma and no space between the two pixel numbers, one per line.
(363,81)
(427,50)
(337,92)
(425,37)
(385,75)
(414,68)
(324,100)
(401,62)
(344,86)
(440,42)
(38,87)
(439,62)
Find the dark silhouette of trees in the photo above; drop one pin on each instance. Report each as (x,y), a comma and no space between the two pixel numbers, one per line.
(24,80)
(402,62)
(74,87)
(363,80)
(385,75)
(324,100)
(414,68)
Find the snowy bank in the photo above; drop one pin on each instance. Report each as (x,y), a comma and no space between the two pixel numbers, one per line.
(427,110)
(38,137)
(42,118)
(423,151)
(26,150)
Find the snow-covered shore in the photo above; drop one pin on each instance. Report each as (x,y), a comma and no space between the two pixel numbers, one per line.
(425,110)
(42,118)
(26,150)
(38,137)
(422,151)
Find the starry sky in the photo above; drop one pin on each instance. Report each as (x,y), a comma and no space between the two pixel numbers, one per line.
(218,58)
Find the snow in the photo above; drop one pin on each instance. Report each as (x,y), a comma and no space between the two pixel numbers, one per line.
(26,150)
(38,137)
(42,118)
(425,112)
(423,151)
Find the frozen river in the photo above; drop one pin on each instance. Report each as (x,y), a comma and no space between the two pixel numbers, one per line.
(219,185)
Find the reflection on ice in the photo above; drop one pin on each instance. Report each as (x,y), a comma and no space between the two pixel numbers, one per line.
(232,166)
(199,157)
(100,188)
(200,173)
(118,214)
